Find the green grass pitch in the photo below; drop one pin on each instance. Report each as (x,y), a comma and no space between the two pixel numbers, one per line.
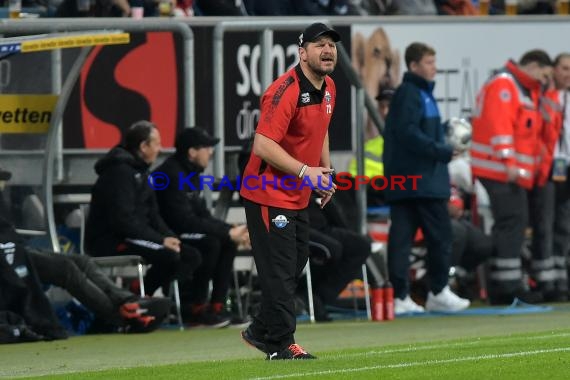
(529,346)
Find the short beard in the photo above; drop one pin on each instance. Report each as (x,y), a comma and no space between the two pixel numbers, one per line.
(319,71)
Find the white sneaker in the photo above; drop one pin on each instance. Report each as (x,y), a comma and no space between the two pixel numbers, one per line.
(407,305)
(446,300)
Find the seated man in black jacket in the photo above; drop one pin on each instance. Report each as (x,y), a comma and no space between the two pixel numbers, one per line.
(124,217)
(186,213)
(22,269)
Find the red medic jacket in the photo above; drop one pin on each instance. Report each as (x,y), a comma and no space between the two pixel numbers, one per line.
(506,127)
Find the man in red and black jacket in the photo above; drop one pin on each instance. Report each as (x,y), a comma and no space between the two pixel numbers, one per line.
(290,157)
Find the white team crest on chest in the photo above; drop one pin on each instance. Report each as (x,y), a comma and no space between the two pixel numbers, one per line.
(280,221)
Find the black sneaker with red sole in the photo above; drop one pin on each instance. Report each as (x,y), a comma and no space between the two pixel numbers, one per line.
(145,314)
(293,352)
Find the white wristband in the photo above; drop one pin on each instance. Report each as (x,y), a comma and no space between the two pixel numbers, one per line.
(302,171)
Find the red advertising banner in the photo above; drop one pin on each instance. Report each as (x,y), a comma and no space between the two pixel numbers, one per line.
(120,85)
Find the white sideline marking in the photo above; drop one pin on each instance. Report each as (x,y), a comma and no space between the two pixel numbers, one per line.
(415,364)
(458,344)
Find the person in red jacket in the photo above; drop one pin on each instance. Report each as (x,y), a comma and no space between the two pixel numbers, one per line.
(551,234)
(506,133)
(542,196)
(561,226)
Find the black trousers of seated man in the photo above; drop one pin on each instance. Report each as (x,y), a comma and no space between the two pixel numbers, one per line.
(165,264)
(217,264)
(470,247)
(280,249)
(83,279)
(348,250)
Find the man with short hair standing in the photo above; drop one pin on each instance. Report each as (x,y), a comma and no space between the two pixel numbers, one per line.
(414,145)
(559,180)
(291,146)
(551,232)
(507,126)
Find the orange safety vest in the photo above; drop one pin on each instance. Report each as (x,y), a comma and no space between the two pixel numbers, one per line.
(506,127)
(551,112)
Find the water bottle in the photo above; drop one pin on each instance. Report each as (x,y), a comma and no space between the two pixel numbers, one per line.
(377,304)
(388,301)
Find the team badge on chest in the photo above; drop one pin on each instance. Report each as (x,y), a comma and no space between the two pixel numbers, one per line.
(280,221)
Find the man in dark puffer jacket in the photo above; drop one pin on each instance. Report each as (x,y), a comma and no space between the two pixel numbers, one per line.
(124,217)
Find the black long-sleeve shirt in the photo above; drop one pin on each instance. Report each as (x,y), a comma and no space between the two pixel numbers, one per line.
(182,207)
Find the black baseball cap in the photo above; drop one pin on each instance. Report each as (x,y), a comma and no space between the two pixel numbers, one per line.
(316,30)
(385,94)
(194,137)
